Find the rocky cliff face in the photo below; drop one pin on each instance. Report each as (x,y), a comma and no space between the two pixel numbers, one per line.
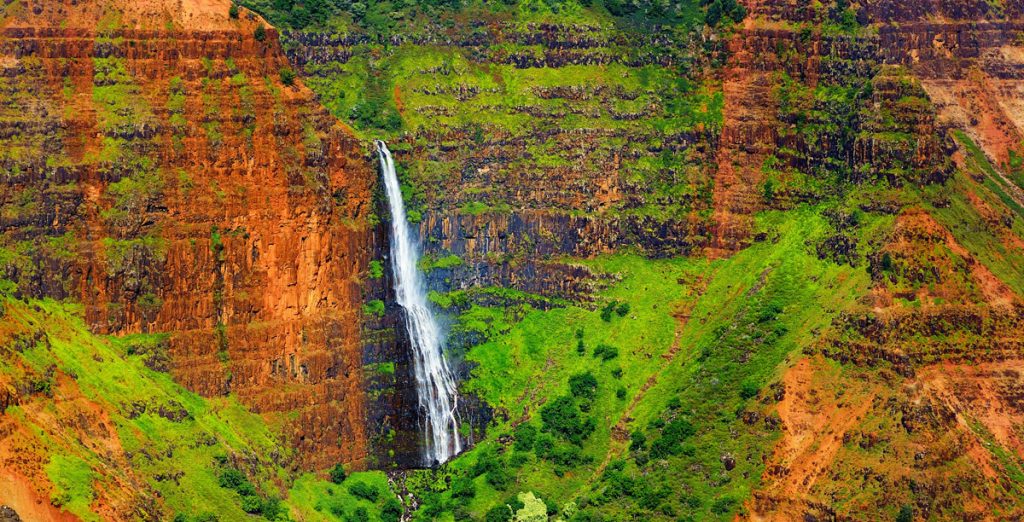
(160,169)
(161,172)
(913,78)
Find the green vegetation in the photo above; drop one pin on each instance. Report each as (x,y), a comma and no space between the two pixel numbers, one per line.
(376,270)
(429,263)
(287,76)
(649,399)
(758,307)
(375,308)
(155,420)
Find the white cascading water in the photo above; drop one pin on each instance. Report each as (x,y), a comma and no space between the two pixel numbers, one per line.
(435,384)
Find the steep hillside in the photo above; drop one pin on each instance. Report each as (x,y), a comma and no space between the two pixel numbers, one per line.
(701,261)
(834,155)
(162,172)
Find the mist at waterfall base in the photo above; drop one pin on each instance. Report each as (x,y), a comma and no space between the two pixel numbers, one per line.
(435,383)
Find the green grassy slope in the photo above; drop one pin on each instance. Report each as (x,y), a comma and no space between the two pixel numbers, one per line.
(169,443)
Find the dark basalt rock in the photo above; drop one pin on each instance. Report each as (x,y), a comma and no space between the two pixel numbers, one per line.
(7,514)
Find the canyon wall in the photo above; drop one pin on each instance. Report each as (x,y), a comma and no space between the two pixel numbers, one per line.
(163,171)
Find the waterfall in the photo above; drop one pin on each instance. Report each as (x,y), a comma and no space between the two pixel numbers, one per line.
(435,384)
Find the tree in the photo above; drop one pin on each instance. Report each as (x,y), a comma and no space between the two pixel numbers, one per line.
(637,441)
(251,504)
(606,352)
(463,487)
(233,11)
(583,386)
(337,474)
(622,309)
(364,491)
(391,511)
(562,417)
(526,435)
(714,14)
(906,514)
(748,390)
(287,76)
(260,34)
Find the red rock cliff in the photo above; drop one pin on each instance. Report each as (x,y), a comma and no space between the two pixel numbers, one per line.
(193,192)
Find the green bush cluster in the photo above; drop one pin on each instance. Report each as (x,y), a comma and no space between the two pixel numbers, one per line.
(614,307)
(337,474)
(494,469)
(606,352)
(583,387)
(251,501)
(364,491)
(720,10)
(287,76)
(563,418)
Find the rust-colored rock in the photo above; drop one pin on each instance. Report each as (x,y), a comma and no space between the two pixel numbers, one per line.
(247,237)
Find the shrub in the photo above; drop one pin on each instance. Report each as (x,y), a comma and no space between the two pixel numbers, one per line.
(271,508)
(392,510)
(233,11)
(620,393)
(562,417)
(359,515)
(886,262)
(252,504)
(606,352)
(544,446)
(231,478)
(665,447)
(567,455)
(714,14)
(906,514)
(723,505)
(748,390)
(526,435)
(486,461)
(376,269)
(501,513)
(375,308)
(768,191)
(463,487)
(517,459)
(549,506)
(679,429)
(622,309)
(287,76)
(499,478)
(637,441)
(260,34)
(606,312)
(364,491)
(583,386)
(337,474)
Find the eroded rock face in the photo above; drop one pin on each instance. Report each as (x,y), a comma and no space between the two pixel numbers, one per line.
(163,175)
(9,515)
(546,189)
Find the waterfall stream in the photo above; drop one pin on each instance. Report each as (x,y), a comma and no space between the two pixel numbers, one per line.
(435,384)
